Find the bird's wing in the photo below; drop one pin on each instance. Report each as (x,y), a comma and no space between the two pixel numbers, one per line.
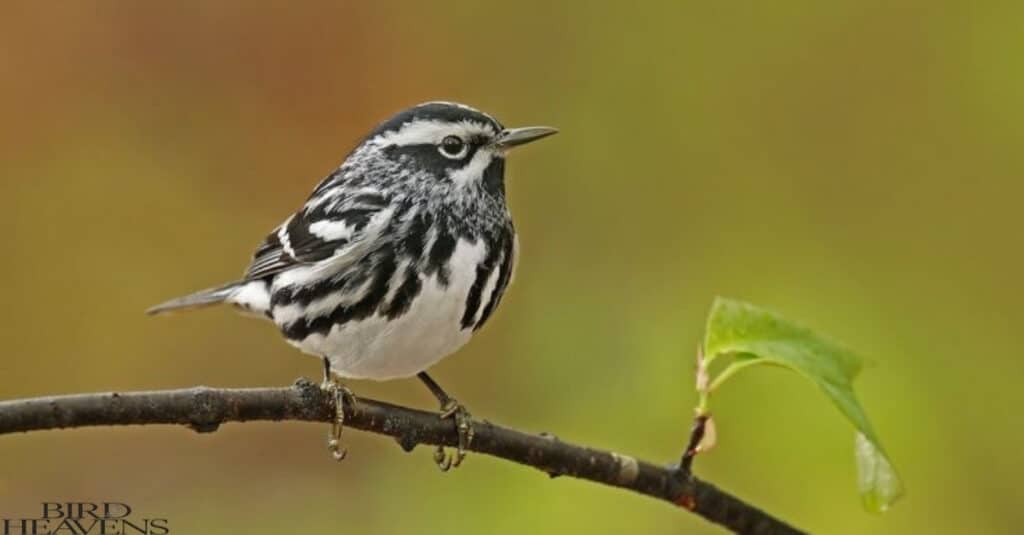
(330,224)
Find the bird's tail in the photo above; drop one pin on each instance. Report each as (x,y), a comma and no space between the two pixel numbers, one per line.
(203,298)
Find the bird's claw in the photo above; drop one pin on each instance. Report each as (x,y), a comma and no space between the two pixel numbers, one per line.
(341,395)
(464,426)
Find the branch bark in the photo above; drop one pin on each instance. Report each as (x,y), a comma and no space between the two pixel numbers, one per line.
(204,409)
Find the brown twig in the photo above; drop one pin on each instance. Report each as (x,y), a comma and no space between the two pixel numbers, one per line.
(696,435)
(204,409)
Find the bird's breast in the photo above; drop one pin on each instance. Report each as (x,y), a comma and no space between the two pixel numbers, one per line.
(397,314)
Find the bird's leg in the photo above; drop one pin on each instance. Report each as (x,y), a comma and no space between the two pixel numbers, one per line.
(341,395)
(450,408)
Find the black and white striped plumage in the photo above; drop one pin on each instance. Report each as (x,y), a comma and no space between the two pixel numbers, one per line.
(399,255)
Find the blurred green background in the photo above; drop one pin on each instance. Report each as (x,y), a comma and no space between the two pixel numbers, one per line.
(853,165)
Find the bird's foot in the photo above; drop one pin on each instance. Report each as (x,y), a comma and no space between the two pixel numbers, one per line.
(464,426)
(341,395)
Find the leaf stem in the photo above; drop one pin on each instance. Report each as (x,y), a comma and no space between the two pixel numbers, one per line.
(729,371)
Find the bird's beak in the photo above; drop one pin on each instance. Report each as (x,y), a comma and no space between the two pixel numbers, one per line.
(511,137)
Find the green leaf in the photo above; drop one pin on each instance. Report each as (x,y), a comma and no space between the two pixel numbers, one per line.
(755,336)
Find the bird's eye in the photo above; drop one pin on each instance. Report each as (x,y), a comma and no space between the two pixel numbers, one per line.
(453,147)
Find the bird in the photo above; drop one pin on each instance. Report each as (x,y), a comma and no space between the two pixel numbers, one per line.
(395,260)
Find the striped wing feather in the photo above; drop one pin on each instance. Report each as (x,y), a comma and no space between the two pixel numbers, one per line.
(316,232)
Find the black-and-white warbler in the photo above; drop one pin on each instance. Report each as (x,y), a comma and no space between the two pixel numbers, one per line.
(396,259)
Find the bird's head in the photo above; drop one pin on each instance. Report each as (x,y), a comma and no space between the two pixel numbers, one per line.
(451,142)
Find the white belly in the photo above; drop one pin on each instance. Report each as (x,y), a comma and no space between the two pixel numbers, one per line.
(380,348)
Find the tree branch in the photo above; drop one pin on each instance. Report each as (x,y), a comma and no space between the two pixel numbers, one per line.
(203,409)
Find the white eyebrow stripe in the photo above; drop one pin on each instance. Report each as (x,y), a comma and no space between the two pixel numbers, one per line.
(432,131)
